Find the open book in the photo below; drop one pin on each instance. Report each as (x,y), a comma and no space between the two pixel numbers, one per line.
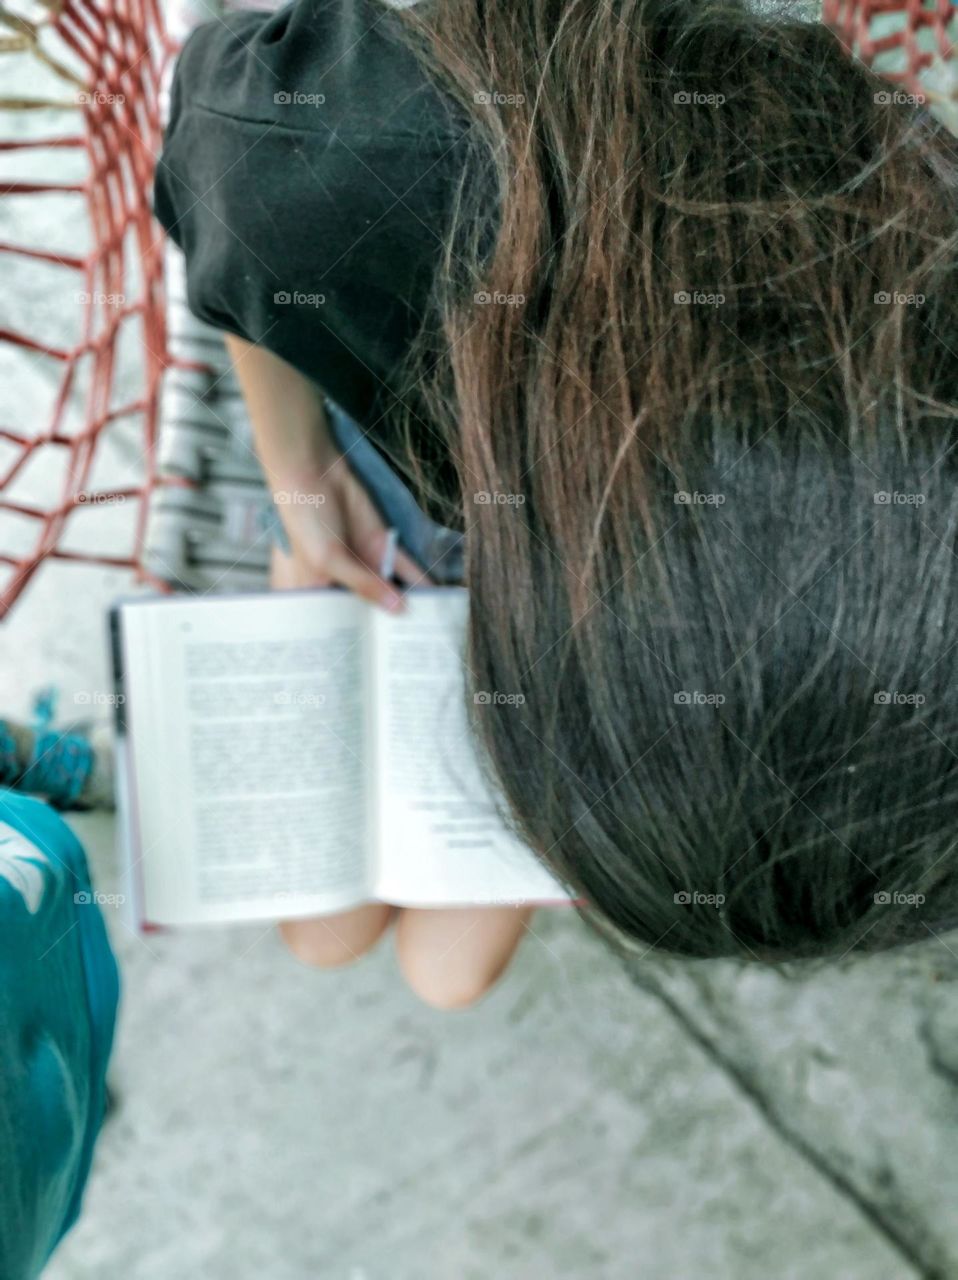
(297,753)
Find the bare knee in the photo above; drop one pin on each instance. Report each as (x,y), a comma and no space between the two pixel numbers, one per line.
(439,988)
(451,965)
(333,941)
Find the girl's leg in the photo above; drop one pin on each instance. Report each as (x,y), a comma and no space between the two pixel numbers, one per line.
(452,956)
(331,941)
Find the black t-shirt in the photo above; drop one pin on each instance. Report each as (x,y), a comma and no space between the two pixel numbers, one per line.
(307,172)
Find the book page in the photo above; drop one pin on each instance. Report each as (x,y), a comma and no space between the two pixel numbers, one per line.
(248,741)
(442,841)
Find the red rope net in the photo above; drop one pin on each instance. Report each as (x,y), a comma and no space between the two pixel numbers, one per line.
(909,43)
(110,62)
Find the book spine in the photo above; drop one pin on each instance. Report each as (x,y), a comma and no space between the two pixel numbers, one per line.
(115,625)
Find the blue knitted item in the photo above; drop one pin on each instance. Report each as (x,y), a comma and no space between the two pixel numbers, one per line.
(59,768)
(9,757)
(60,763)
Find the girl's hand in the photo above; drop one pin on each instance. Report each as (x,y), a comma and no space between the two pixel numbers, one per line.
(336,535)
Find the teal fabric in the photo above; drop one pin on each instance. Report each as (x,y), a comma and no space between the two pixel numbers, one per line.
(59,990)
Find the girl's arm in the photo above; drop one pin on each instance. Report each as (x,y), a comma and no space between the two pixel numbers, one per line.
(336,535)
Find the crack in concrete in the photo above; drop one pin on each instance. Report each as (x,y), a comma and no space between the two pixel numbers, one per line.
(926,1257)
(937,1062)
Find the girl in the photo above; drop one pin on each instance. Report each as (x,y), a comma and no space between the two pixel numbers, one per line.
(655,300)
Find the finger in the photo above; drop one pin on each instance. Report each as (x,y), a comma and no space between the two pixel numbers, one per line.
(342,567)
(410,573)
(282,574)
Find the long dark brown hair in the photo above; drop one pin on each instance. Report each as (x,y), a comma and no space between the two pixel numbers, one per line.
(697,373)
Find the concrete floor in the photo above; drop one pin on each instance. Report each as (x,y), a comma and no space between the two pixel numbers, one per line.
(592,1119)
(275,1122)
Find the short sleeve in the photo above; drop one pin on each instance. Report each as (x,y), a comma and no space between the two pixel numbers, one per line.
(307,174)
